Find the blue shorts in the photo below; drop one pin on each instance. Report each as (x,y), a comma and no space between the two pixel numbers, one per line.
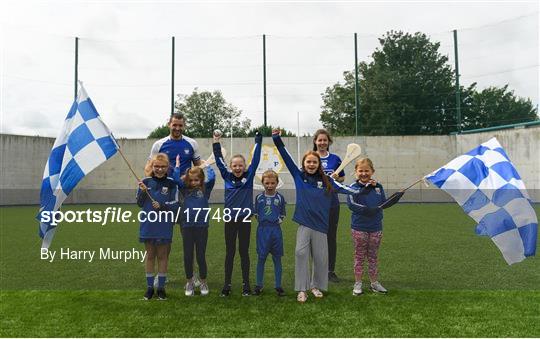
(269,240)
(156,241)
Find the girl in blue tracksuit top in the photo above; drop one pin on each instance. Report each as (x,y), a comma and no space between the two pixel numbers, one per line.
(157,235)
(238,207)
(366,223)
(194,194)
(313,201)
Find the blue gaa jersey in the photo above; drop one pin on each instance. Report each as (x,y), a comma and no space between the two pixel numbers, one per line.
(195,200)
(239,190)
(330,164)
(164,191)
(312,201)
(186,147)
(366,216)
(270,210)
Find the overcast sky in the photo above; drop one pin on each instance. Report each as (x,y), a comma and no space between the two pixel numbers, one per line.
(125,54)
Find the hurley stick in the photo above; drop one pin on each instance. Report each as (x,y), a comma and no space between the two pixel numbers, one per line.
(353,152)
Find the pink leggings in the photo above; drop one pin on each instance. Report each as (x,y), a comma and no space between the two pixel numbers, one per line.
(366,245)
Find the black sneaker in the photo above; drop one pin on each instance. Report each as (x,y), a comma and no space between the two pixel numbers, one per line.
(246,290)
(258,290)
(280,292)
(226,291)
(161,294)
(333,277)
(149,293)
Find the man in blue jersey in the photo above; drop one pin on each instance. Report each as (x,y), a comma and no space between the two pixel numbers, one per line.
(176,143)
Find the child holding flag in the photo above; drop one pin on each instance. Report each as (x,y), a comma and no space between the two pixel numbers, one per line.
(238,209)
(366,223)
(157,193)
(195,191)
(270,212)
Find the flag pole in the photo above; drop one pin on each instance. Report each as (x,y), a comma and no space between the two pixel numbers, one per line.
(132,171)
(414,183)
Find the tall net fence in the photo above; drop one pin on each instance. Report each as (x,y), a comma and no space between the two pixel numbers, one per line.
(130,81)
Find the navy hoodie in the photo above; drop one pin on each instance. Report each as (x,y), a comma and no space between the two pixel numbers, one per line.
(239,191)
(195,209)
(366,216)
(164,191)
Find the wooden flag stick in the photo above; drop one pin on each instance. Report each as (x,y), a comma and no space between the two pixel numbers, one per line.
(132,171)
(411,185)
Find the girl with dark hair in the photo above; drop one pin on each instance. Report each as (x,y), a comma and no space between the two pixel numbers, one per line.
(330,162)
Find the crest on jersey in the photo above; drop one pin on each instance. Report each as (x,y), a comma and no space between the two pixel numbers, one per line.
(378,190)
(165,190)
(319,184)
(186,151)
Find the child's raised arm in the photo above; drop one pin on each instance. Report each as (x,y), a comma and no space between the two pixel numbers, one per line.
(252,169)
(289,162)
(209,181)
(176,175)
(220,162)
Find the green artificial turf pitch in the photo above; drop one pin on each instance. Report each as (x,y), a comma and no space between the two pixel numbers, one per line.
(443,280)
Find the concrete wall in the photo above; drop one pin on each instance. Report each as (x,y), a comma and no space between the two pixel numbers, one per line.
(399,161)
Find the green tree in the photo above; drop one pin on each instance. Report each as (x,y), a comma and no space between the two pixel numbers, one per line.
(267,131)
(495,106)
(159,132)
(409,88)
(205,112)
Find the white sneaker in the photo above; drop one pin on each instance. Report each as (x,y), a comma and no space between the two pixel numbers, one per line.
(317,293)
(377,287)
(357,289)
(302,297)
(204,289)
(190,290)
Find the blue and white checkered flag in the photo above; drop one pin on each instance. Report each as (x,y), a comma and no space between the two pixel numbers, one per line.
(489,189)
(84,142)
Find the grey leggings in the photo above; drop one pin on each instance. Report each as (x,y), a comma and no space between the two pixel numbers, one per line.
(310,244)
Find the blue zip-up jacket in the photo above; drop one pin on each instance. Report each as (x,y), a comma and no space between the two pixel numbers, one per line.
(194,200)
(165,192)
(239,191)
(270,210)
(312,201)
(366,216)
